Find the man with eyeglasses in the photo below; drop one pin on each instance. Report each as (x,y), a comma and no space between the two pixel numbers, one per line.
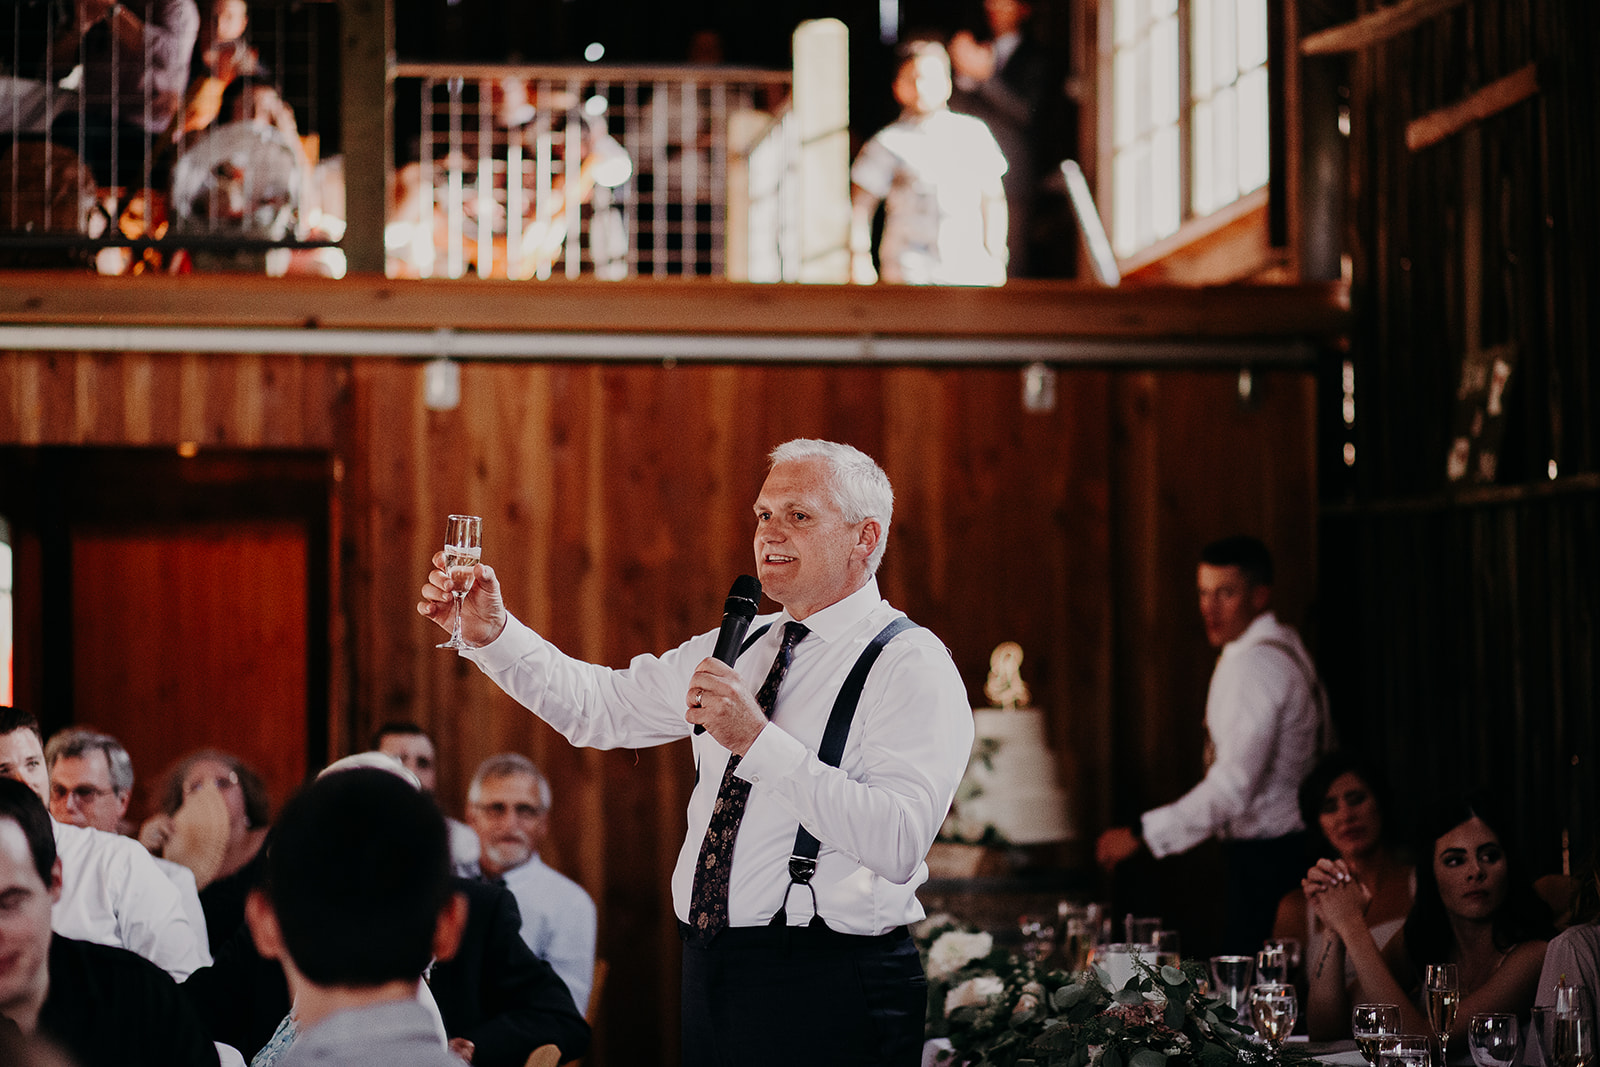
(91,782)
(112,893)
(508,804)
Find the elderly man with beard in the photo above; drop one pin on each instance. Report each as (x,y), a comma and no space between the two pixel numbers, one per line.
(508,805)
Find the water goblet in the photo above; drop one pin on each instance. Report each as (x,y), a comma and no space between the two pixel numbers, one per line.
(1231,977)
(1373,1025)
(1571,1028)
(1494,1039)
(463,548)
(1274,1008)
(1406,1050)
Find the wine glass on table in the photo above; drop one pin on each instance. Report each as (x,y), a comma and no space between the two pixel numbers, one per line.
(1272,963)
(1373,1026)
(1274,1007)
(1230,976)
(1406,1050)
(1494,1039)
(1442,987)
(463,548)
(1038,936)
(1571,1027)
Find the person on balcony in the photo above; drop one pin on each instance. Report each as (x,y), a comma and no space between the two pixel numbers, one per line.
(939,176)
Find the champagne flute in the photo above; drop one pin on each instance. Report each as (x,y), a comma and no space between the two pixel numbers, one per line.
(1494,1039)
(1373,1025)
(1274,1007)
(1443,990)
(463,548)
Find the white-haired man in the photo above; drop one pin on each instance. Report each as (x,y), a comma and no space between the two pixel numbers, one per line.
(508,805)
(846,756)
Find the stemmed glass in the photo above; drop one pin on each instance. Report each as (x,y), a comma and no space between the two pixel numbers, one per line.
(463,548)
(1231,977)
(1038,936)
(1443,989)
(1272,963)
(1494,1039)
(1571,1028)
(1407,1050)
(1275,1008)
(1373,1025)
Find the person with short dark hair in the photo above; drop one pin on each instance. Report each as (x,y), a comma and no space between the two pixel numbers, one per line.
(355,905)
(104,1006)
(414,748)
(1266,724)
(112,892)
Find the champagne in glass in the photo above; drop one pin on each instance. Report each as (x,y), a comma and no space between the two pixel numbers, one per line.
(1274,1008)
(463,548)
(1373,1025)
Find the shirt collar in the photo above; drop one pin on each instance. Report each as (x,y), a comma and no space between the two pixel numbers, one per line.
(1258,630)
(840,617)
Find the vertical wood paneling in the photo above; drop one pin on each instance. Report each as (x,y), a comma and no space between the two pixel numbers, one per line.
(616,500)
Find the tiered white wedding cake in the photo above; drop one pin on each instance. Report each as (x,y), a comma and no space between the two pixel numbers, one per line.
(1011,786)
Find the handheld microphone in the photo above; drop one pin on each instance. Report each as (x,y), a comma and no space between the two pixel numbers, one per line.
(737,611)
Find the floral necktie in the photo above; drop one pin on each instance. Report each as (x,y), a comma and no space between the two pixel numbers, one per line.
(708,900)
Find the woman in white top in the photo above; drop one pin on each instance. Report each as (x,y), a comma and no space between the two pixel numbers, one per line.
(1341,802)
(1473,908)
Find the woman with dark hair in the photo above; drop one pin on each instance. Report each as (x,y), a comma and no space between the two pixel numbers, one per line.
(227,804)
(1342,802)
(1473,908)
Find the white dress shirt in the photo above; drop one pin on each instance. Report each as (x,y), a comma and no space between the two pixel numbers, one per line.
(112,893)
(875,815)
(1267,727)
(558,923)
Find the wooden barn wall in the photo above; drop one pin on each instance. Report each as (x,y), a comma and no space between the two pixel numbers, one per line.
(1462,615)
(616,511)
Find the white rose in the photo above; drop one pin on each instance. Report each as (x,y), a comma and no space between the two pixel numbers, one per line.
(955,950)
(973,991)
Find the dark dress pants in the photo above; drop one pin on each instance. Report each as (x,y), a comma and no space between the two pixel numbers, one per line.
(803,996)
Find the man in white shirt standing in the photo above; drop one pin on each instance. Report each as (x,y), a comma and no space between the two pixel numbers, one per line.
(785,961)
(1266,723)
(508,805)
(112,893)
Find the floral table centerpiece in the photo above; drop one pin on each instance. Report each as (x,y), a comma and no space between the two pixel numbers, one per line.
(999,1010)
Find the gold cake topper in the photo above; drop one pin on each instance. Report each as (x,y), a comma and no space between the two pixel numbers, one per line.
(1005,686)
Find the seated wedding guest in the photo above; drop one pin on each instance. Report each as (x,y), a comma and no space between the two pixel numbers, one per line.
(494,996)
(1574,953)
(112,893)
(91,782)
(355,904)
(225,850)
(1342,803)
(508,804)
(103,1006)
(1473,908)
(414,748)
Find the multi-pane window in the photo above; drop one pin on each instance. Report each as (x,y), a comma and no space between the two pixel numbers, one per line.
(1189,112)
